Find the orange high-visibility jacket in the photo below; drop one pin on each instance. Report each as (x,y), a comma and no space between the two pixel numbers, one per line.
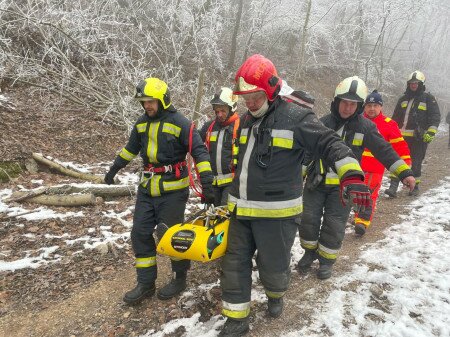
(388,128)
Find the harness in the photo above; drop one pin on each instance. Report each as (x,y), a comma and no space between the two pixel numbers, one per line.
(233,118)
(150,170)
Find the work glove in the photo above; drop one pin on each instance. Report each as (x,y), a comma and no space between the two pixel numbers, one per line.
(355,192)
(428,136)
(208,194)
(109,177)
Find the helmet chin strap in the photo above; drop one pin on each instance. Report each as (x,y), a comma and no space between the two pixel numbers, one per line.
(261,111)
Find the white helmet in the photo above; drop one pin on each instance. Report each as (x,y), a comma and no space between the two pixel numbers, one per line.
(225,97)
(416,76)
(351,89)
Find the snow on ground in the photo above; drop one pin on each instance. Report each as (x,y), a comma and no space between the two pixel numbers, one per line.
(399,287)
(43,255)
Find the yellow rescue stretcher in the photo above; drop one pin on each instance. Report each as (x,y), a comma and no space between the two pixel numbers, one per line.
(203,239)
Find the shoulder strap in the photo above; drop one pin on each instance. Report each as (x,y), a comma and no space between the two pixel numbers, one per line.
(208,134)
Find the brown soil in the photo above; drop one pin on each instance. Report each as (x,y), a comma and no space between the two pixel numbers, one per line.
(81,295)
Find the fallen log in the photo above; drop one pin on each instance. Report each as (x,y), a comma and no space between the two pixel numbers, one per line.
(72,200)
(104,191)
(21,196)
(68,172)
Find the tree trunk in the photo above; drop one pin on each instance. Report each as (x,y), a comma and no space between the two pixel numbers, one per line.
(237,24)
(198,99)
(301,66)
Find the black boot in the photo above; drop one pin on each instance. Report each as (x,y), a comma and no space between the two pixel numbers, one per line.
(325,270)
(140,292)
(275,307)
(415,191)
(235,328)
(392,190)
(174,287)
(306,261)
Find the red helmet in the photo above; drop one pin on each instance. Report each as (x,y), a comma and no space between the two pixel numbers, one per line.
(255,74)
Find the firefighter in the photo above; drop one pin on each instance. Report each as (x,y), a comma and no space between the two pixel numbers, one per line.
(372,168)
(418,117)
(322,239)
(162,137)
(266,193)
(220,137)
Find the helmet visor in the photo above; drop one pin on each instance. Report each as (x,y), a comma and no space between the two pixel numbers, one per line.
(242,87)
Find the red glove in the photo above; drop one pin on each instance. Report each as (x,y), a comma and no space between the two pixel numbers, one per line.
(355,192)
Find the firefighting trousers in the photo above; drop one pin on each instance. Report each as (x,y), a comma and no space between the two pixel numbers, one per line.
(373,181)
(418,150)
(273,240)
(221,195)
(150,211)
(325,235)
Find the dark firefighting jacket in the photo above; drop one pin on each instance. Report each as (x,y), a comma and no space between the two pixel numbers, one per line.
(359,133)
(222,143)
(163,141)
(417,112)
(268,181)
(388,128)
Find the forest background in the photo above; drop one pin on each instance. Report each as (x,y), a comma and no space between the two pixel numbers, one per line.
(89,55)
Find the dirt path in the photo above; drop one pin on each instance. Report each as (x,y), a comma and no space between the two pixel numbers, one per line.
(97,309)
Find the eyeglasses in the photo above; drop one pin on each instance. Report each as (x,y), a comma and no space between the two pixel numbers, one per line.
(254,96)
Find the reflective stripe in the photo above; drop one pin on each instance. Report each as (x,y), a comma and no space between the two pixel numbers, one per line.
(154,186)
(213,136)
(141,127)
(222,179)
(152,147)
(219,152)
(304,170)
(274,294)
(408,109)
(283,138)
(127,155)
(408,133)
(266,209)
(331,178)
(387,119)
(203,166)
(243,137)
(145,262)
(398,167)
(362,221)
(282,142)
(308,244)
(327,253)
(172,129)
(406,157)
(346,164)
(245,161)
(176,185)
(239,310)
(367,153)
(422,106)
(432,129)
(358,139)
(235,150)
(404,104)
(396,140)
